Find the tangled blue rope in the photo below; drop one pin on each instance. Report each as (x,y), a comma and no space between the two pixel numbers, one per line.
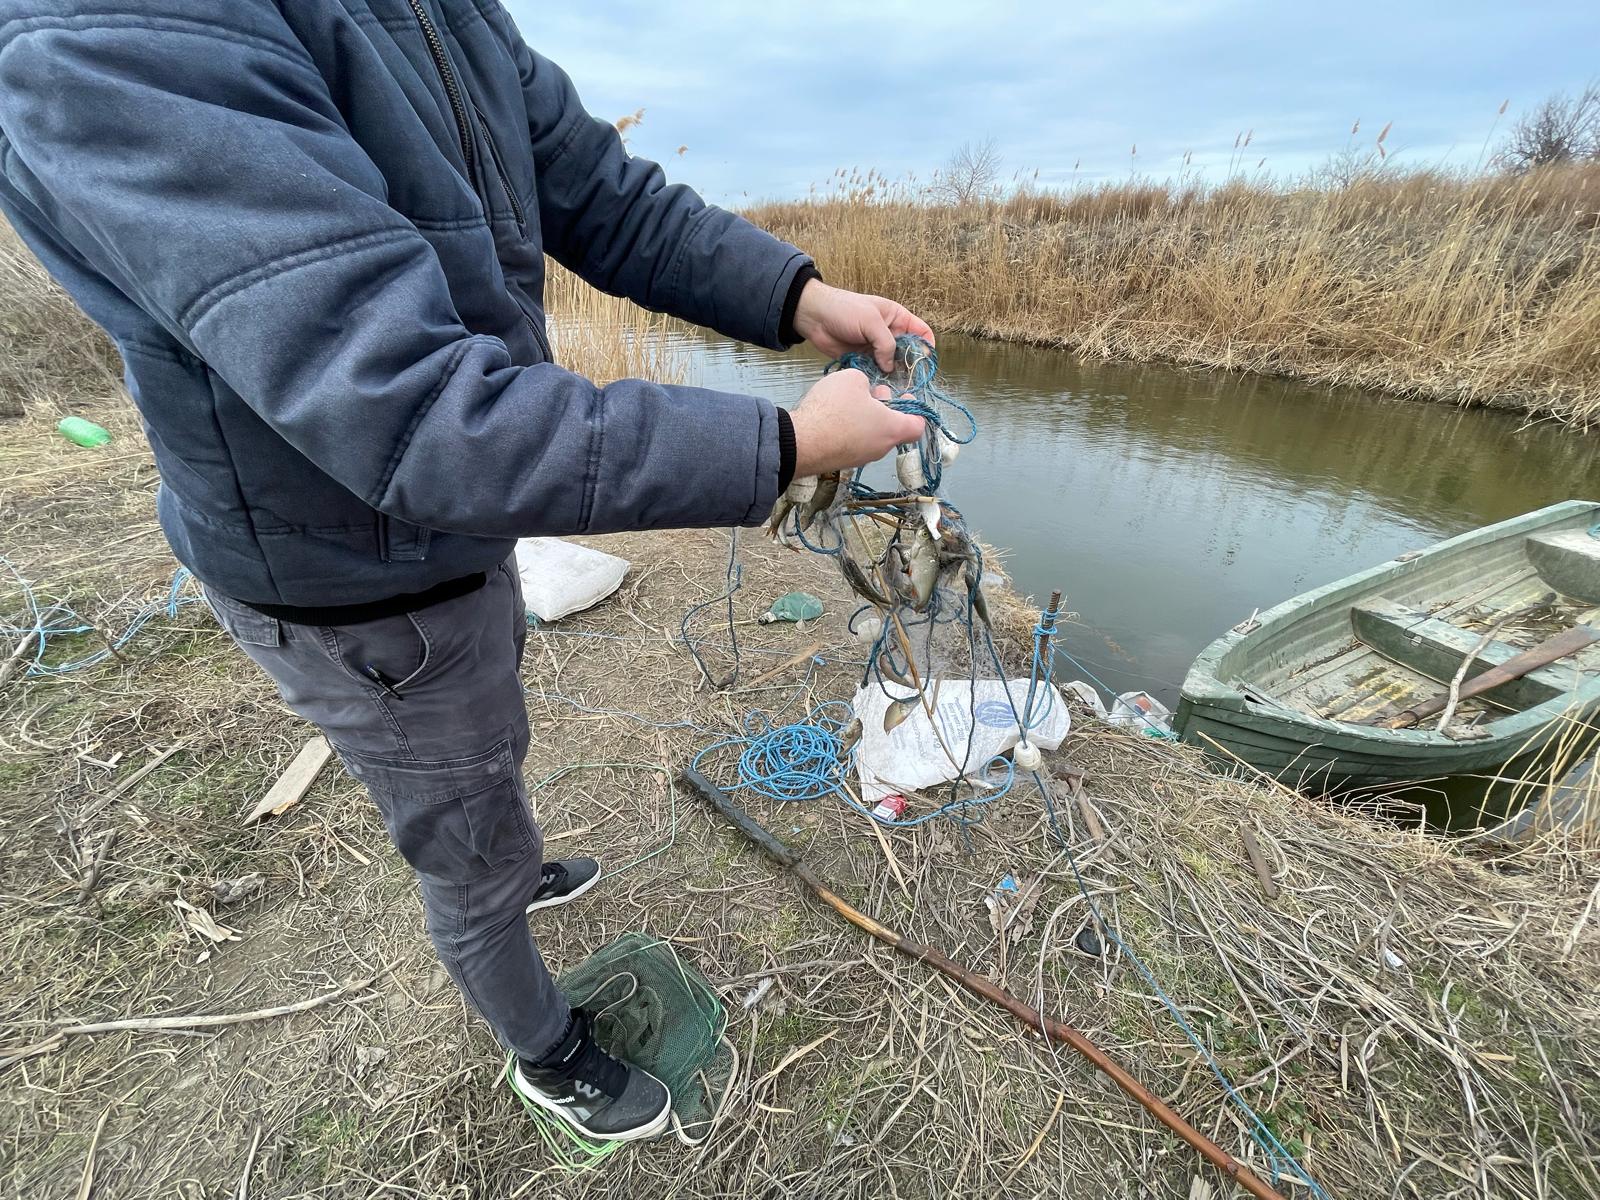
(45,622)
(916,393)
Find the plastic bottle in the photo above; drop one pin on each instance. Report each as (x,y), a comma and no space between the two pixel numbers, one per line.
(84,433)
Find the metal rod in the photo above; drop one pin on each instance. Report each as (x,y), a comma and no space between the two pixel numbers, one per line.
(1050,1028)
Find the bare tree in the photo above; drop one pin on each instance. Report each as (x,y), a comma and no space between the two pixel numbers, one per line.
(1562,129)
(970,174)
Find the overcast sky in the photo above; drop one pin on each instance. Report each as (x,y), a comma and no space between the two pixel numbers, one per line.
(770,97)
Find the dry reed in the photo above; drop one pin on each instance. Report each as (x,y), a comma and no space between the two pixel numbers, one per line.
(1473,289)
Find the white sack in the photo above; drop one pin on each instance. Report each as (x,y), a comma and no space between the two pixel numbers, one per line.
(910,756)
(560,577)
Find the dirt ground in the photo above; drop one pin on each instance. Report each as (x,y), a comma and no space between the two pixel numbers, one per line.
(1410,1017)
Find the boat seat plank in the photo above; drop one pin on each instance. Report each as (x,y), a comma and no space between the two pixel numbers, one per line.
(1417,640)
(1569,561)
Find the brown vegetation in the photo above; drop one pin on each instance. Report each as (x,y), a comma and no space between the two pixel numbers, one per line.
(1477,289)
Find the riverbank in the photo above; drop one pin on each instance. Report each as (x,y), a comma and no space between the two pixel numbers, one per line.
(1476,291)
(1410,1016)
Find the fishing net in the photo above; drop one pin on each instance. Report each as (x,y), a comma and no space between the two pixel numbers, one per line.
(656,1011)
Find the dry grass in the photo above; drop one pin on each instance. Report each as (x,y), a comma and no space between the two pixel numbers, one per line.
(1473,290)
(1415,1016)
(51,355)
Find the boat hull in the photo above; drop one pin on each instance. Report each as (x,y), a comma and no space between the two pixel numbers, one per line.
(1236,723)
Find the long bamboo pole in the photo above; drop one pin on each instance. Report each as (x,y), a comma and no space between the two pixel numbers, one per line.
(1055,1030)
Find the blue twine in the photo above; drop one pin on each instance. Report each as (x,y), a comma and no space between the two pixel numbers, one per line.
(735,578)
(917,394)
(1277,1154)
(61,620)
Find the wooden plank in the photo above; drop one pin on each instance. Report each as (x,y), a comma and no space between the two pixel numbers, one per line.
(293,784)
(1562,645)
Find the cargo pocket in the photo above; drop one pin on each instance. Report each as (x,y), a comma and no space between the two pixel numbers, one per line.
(454,819)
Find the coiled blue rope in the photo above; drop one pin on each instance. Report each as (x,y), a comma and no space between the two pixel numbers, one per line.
(803,761)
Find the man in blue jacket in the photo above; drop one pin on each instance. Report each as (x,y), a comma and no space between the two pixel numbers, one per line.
(316,231)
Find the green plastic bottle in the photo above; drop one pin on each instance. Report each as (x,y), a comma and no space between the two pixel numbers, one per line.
(84,433)
(794,606)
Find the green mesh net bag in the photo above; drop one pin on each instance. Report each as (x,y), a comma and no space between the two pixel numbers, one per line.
(656,1011)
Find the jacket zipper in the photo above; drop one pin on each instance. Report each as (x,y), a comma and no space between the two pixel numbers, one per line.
(447,76)
(500,166)
(458,106)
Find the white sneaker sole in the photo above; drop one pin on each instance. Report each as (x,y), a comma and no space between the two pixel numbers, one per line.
(532,1095)
(556,901)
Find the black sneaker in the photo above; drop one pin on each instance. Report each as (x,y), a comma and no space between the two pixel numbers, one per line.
(602,1098)
(564,879)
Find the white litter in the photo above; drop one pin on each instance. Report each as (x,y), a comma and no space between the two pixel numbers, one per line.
(1142,710)
(560,578)
(912,755)
(1090,695)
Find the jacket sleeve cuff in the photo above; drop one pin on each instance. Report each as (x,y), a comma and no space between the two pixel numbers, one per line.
(786,450)
(791,304)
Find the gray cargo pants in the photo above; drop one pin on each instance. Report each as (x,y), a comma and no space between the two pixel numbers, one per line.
(441,754)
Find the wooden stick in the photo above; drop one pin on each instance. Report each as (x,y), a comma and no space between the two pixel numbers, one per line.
(1258,862)
(805,655)
(1050,1028)
(86,1180)
(126,782)
(1453,697)
(295,781)
(196,1021)
(1552,649)
(92,875)
(10,664)
(242,1192)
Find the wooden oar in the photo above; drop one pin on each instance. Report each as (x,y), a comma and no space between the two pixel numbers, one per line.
(1056,1031)
(1552,649)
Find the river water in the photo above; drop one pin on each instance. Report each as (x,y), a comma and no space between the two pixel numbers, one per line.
(1169,504)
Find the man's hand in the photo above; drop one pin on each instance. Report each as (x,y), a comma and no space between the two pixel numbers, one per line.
(842,422)
(835,321)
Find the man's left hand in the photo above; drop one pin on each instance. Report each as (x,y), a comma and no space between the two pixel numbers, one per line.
(836,321)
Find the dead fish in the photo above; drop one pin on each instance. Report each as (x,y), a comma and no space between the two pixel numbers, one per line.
(922,567)
(897,712)
(850,734)
(889,671)
(780,513)
(859,583)
(975,593)
(820,500)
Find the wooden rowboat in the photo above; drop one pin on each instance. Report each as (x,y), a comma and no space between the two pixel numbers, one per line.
(1309,691)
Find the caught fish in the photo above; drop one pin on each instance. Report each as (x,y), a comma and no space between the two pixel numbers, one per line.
(921,567)
(850,734)
(780,513)
(821,499)
(896,713)
(859,583)
(893,674)
(975,593)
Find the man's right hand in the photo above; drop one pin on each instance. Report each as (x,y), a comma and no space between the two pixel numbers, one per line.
(843,422)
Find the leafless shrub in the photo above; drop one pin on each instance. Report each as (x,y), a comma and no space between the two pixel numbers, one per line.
(969,176)
(1562,129)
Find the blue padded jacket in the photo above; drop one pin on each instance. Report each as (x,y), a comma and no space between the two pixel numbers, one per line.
(316,231)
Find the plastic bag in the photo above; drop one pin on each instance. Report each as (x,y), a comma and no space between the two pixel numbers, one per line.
(560,578)
(911,755)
